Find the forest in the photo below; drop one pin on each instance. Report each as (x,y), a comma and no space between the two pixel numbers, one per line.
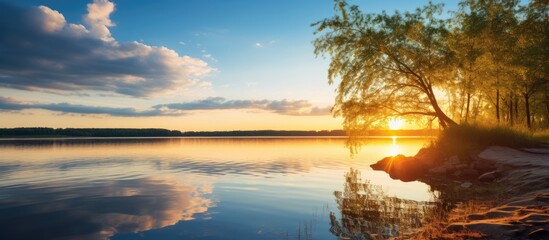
(487,62)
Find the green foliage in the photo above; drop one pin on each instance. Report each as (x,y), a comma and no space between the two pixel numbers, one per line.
(488,62)
(501,62)
(542,135)
(388,64)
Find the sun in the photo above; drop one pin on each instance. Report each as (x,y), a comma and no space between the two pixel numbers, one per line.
(395,123)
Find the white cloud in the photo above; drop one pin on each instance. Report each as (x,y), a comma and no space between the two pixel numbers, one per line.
(283,107)
(78,30)
(204,84)
(50,20)
(209,57)
(182,43)
(258,45)
(46,53)
(98,19)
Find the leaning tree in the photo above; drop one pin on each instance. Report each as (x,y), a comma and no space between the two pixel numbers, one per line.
(387,65)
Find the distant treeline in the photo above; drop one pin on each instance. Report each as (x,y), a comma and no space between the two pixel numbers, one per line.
(87,132)
(327,133)
(264,133)
(158,132)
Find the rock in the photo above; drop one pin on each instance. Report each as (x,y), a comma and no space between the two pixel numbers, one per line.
(535,217)
(401,167)
(540,150)
(440,170)
(452,164)
(466,185)
(539,234)
(474,217)
(514,158)
(455,227)
(469,173)
(465,173)
(455,167)
(488,177)
(525,203)
(428,156)
(544,197)
(508,208)
(491,229)
(483,165)
(497,214)
(453,160)
(503,168)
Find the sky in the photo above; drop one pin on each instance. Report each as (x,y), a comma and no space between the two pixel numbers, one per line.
(194,65)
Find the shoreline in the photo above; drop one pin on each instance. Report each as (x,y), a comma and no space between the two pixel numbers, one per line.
(512,184)
(37,132)
(221,136)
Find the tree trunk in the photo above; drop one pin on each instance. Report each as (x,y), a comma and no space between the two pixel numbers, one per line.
(516,110)
(547,105)
(443,119)
(497,103)
(527,109)
(467,107)
(461,108)
(510,110)
(477,107)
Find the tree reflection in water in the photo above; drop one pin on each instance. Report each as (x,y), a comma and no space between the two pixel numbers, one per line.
(369,213)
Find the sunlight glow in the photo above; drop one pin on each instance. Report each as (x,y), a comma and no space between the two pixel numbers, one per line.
(395,123)
(395,149)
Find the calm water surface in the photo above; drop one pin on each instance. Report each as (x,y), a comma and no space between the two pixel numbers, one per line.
(185,188)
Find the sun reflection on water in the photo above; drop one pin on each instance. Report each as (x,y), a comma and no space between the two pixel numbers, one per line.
(395,148)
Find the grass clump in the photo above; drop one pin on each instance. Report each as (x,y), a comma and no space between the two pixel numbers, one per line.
(542,135)
(462,139)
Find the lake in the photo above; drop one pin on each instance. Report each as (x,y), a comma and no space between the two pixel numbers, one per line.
(186,188)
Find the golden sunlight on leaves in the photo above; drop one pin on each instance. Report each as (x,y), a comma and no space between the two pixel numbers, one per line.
(395,123)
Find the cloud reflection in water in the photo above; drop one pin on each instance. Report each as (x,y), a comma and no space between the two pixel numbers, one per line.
(96,210)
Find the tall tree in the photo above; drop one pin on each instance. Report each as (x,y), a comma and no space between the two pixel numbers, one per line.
(494,22)
(387,64)
(532,56)
(467,48)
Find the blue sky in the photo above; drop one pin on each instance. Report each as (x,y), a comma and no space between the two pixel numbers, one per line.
(251,61)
